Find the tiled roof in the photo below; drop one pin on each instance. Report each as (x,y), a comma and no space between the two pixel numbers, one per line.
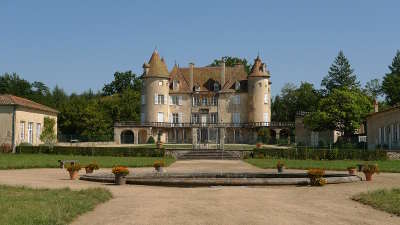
(203,75)
(394,108)
(259,69)
(14,100)
(157,67)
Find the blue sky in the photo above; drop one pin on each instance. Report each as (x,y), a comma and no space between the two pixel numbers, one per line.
(80,44)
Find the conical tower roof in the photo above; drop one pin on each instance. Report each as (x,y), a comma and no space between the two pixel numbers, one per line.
(157,67)
(259,69)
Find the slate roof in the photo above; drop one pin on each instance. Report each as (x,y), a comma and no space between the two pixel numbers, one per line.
(7,99)
(259,69)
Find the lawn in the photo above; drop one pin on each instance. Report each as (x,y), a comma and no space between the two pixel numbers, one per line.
(384,166)
(21,161)
(22,205)
(386,200)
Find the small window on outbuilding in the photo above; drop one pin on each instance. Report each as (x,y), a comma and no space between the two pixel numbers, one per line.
(216,86)
(237,86)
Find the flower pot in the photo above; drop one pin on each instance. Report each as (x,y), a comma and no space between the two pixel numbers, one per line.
(120,179)
(73,174)
(352,171)
(368,176)
(280,169)
(89,170)
(159,169)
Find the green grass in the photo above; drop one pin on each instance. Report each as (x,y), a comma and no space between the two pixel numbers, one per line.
(22,161)
(386,200)
(22,205)
(384,166)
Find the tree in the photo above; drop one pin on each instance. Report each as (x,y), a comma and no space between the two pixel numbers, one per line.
(13,84)
(232,61)
(48,135)
(340,75)
(391,82)
(342,110)
(373,88)
(121,82)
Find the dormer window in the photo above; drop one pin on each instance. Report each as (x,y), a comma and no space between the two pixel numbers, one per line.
(196,88)
(175,85)
(216,86)
(237,86)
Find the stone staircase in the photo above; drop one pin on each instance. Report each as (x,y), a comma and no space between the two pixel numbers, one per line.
(211,154)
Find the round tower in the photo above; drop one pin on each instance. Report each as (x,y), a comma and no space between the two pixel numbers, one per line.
(259,93)
(155,92)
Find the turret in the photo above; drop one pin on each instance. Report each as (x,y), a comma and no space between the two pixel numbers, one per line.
(259,92)
(155,92)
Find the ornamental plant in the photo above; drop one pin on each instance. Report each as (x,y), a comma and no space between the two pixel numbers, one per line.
(73,167)
(120,170)
(93,166)
(370,168)
(317,177)
(280,164)
(158,164)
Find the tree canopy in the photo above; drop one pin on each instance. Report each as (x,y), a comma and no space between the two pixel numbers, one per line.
(391,82)
(232,61)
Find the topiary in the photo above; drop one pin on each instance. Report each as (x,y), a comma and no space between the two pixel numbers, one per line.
(151,140)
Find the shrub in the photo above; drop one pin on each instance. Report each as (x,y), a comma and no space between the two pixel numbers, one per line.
(5,148)
(93,151)
(370,168)
(316,177)
(73,167)
(158,164)
(25,144)
(264,135)
(93,166)
(151,140)
(120,170)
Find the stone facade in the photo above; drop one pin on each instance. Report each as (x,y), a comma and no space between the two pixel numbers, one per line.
(307,137)
(383,129)
(200,104)
(22,120)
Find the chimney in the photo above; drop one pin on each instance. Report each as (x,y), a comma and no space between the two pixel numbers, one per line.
(146,68)
(222,74)
(376,106)
(191,67)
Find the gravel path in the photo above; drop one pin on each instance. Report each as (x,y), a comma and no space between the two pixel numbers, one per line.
(219,205)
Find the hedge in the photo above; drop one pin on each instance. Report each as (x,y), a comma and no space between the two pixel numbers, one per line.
(93,151)
(321,154)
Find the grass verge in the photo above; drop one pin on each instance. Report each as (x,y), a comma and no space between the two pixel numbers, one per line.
(24,161)
(386,200)
(384,166)
(22,205)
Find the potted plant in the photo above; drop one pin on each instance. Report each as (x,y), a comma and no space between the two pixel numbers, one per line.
(120,173)
(73,170)
(258,145)
(369,170)
(352,170)
(316,177)
(158,165)
(280,166)
(91,167)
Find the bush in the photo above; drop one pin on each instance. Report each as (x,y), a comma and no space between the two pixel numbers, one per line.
(93,151)
(151,140)
(25,144)
(303,153)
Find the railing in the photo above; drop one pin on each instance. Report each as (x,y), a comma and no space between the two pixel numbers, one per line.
(195,125)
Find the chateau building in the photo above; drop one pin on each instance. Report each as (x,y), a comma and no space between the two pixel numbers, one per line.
(200,105)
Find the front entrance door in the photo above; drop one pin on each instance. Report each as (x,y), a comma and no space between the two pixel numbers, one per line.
(203,135)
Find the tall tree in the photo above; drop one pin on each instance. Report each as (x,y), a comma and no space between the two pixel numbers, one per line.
(373,88)
(121,82)
(342,110)
(232,61)
(13,84)
(340,75)
(391,82)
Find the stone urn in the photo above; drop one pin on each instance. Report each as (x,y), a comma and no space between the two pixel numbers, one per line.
(120,179)
(88,170)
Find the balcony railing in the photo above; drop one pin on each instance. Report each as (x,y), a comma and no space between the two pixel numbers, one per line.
(189,125)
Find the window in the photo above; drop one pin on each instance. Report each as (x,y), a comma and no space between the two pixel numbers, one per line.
(159,83)
(175,117)
(236,99)
(175,85)
(22,130)
(214,118)
(38,131)
(205,100)
(195,118)
(266,99)
(160,117)
(196,100)
(214,100)
(142,117)
(236,117)
(30,132)
(237,85)
(159,99)
(143,99)
(216,86)
(265,117)
(175,100)
(196,88)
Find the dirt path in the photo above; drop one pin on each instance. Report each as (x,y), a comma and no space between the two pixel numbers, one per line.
(133,204)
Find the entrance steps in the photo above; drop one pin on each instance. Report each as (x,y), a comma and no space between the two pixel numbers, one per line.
(209,154)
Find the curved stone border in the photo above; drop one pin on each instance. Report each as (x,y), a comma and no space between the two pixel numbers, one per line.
(220,179)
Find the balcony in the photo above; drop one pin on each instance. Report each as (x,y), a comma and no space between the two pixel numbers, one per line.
(211,125)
